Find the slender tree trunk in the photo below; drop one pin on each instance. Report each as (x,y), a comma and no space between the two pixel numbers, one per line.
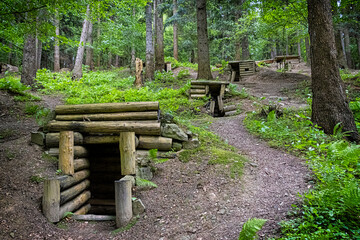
(10,53)
(358,45)
(117,61)
(57,47)
(77,71)
(159,42)
(89,49)
(29,61)
(245,53)
(38,45)
(99,41)
(347,47)
(307,47)
(273,49)
(329,105)
(298,44)
(110,60)
(149,74)
(340,53)
(204,71)
(133,52)
(175,27)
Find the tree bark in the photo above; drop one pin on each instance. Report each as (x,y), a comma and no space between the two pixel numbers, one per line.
(245,53)
(159,38)
(347,47)
(77,71)
(175,32)
(149,44)
(29,61)
(57,47)
(329,104)
(89,49)
(204,71)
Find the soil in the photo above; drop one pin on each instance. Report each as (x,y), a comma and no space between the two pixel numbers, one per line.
(193,200)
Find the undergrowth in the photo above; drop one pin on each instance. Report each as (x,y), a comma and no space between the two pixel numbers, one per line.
(13,85)
(331,209)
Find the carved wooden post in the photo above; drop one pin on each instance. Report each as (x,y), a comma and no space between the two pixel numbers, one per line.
(127,152)
(51,200)
(66,152)
(123,201)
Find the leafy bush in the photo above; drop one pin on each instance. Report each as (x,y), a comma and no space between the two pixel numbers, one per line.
(331,210)
(41,114)
(183,73)
(13,85)
(251,227)
(234,92)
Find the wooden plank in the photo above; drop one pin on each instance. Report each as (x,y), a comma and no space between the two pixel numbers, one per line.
(123,201)
(150,115)
(81,163)
(155,142)
(107,107)
(198,95)
(74,191)
(212,107)
(66,152)
(93,217)
(51,200)
(127,152)
(198,86)
(143,128)
(74,204)
(220,104)
(198,91)
(68,181)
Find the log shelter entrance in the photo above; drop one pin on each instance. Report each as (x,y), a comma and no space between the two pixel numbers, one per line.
(215,90)
(97,157)
(241,69)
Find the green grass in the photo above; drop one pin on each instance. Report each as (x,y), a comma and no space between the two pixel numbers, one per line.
(331,209)
(13,85)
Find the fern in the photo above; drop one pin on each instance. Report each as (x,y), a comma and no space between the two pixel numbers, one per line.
(250,228)
(145,183)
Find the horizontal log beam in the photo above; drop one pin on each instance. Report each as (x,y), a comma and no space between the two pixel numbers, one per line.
(198,95)
(75,203)
(198,91)
(151,115)
(81,163)
(229,108)
(231,113)
(79,152)
(105,139)
(83,210)
(198,86)
(208,82)
(74,191)
(107,107)
(143,128)
(92,217)
(68,181)
(52,139)
(155,142)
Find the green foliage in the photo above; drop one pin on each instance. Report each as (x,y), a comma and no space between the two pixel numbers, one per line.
(234,161)
(235,92)
(36,179)
(145,183)
(6,133)
(250,228)
(174,62)
(355,107)
(132,223)
(41,114)
(13,85)
(331,209)
(183,74)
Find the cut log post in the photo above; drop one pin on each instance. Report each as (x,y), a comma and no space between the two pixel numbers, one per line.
(75,203)
(51,200)
(68,181)
(52,139)
(106,139)
(197,91)
(74,191)
(229,108)
(127,152)
(107,108)
(168,66)
(207,89)
(212,107)
(138,73)
(144,128)
(155,142)
(38,138)
(66,152)
(198,95)
(83,210)
(233,75)
(123,201)
(222,90)
(79,152)
(220,104)
(81,163)
(150,115)
(92,217)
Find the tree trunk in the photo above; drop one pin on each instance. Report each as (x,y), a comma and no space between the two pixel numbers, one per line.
(57,47)
(133,52)
(340,54)
(204,71)
(149,75)
(89,49)
(29,61)
(347,47)
(77,71)
(110,60)
(329,104)
(273,52)
(159,38)
(307,46)
(299,44)
(245,53)
(117,61)
(358,44)
(175,27)
(38,53)
(98,39)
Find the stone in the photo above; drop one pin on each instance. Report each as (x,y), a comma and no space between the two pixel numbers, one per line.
(131,178)
(138,207)
(38,138)
(144,173)
(167,118)
(176,146)
(191,144)
(173,131)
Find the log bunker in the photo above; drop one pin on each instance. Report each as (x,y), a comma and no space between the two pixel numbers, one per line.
(102,149)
